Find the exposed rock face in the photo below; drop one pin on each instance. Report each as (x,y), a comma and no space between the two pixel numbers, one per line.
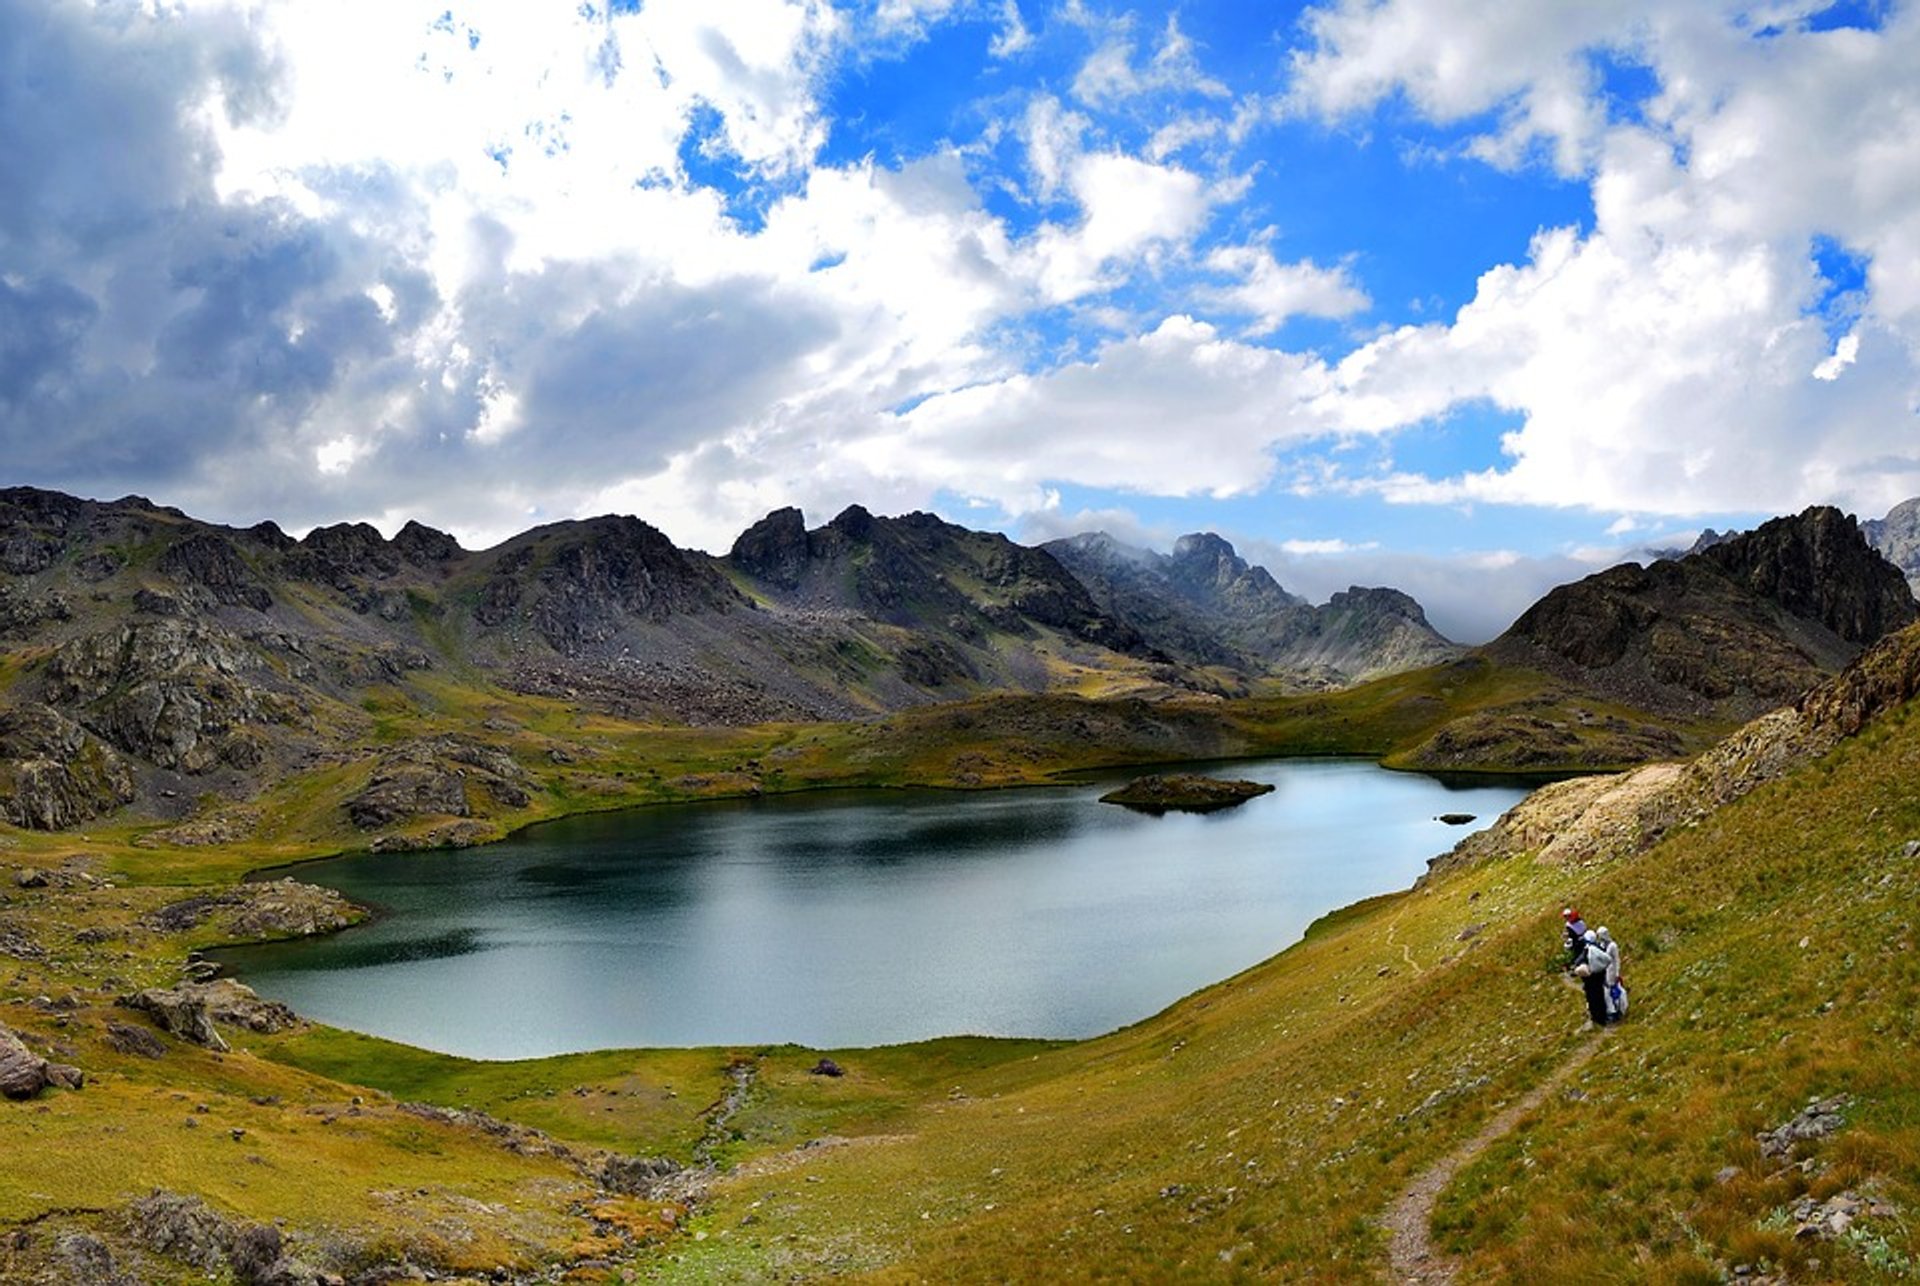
(1742,626)
(173,693)
(1819,567)
(431,777)
(53,774)
(1598,819)
(21,610)
(191,1009)
(423,546)
(1361,633)
(344,556)
(908,572)
(272,909)
(595,579)
(1206,605)
(774,549)
(212,563)
(1897,537)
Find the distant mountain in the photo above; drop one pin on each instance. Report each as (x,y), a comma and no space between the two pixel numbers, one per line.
(1205,605)
(146,654)
(1745,624)
(1897,537)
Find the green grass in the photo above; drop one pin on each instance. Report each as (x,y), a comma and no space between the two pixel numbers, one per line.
(1258,1129)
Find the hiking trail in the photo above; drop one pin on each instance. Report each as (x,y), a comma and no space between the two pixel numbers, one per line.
(1411,1254)
(1406,952)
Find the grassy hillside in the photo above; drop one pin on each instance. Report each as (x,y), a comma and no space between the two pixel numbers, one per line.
(1258,1130)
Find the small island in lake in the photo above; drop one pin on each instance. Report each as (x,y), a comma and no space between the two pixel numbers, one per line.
(1454,819)
(1183,792)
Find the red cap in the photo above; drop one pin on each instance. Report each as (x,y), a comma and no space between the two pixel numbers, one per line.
(1569,914)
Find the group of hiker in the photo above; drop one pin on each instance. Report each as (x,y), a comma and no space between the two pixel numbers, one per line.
(1594,958)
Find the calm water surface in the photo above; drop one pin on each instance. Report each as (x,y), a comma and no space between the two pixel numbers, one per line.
(854,917)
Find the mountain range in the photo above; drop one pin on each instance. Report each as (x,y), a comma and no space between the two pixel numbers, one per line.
(149,658)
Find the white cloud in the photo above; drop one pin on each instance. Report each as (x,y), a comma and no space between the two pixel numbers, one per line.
(1014,37)
(1269,292)
(1670,360)
(1112,421)
(1110,73)
(1322,548)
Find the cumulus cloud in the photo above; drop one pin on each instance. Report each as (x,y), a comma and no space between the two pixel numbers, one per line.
(1672,359)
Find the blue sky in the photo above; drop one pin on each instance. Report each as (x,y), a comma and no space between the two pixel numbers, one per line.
(1467,299)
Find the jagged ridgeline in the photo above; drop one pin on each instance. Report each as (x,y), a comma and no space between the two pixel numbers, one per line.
(148,655)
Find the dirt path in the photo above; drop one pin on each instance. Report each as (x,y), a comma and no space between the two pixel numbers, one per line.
(1411,1254)
(1406,952)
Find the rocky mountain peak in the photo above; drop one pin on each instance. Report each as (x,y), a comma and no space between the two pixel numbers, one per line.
(1819,566)
(775,548)
(853,522)
(422,545)
(1897,537)
(345,556)
(1741,626)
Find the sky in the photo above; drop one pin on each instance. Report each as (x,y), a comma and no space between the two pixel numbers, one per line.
(1468,299)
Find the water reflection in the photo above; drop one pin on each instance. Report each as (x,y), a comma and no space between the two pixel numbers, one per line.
(854,917)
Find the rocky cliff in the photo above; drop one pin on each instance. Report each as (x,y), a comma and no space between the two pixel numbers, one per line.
(1897,537)
(1744,625)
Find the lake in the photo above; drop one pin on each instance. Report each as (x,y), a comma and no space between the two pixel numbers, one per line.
(847,918)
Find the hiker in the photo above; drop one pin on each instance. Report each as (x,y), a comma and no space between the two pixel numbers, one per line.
(1616,990)
(1592,973)
(1576,930)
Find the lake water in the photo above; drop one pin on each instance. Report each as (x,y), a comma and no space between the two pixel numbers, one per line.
(854,917)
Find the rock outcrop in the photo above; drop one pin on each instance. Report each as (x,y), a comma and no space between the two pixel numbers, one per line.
(24,1073)
(433,777)
(179,695)
(269,909)
(53,773)
(191,1010)
(1183,793)
(1590,820)
(1736,629)
(1897,537)
(774,549)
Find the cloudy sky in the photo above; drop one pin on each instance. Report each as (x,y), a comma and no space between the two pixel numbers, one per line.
(1466,298)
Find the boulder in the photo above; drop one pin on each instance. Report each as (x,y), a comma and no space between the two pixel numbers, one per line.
(23,1073)
(126,1038)
(182,1228)
(191,1009)
(179,1013)
(84,1260)
(635,1176)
